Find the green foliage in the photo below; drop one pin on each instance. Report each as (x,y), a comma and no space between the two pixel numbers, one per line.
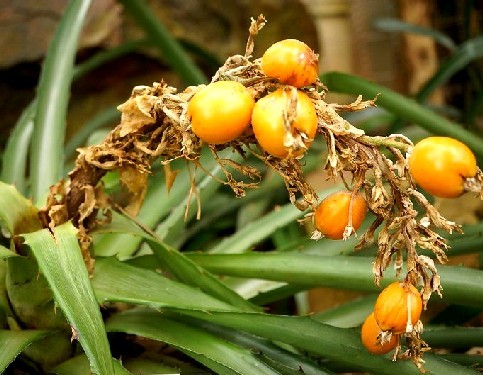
(197,285)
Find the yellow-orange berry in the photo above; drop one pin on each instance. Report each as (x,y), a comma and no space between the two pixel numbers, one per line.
(332,215)
(268,118)
(371,332)
(221,111)
(292,62)
(440,166)
(394,304)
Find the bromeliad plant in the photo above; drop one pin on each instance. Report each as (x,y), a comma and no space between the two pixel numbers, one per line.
(84,246)
(159,123)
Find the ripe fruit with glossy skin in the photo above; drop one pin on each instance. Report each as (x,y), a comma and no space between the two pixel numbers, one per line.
(292,62)
(221,111)
(369,334)
(392,306)
(440,165)
(268,122)
(332,215)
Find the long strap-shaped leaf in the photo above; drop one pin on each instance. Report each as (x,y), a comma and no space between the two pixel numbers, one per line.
(343,272)
(53,95)
(12,343)
(15,154)
(403,107)
(182,267)
(79,365)
(214,352)
(171,50)
(117,281)
(338,344)
(17,213)
(60,260)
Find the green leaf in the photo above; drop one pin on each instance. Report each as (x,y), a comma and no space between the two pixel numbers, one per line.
(14,342)
(396,25)
(467,52)
(6,253)
(204,347)
(461,285)
(403,107)
(190,273)
(59,257)
(171,50)
(114,280)
(469,360)
(79,365)
(17,213)
(161,203)
(453,337)
(46,162)
(259,229)
(144,366)
(341,345)
(182,267)
(287,359)
(30,295)
(349,314)
(14,162)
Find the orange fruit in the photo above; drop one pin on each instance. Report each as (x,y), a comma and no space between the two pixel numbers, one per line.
(292,62)
(269,127)
(332,215)
(393,304)
(221,111)
(440,165)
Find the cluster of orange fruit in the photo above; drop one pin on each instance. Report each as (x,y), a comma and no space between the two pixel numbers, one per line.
(284,123)
(396,311)
(222,111)
(225,110)
(442,166)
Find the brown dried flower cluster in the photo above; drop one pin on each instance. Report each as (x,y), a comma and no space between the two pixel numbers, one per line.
(155,126)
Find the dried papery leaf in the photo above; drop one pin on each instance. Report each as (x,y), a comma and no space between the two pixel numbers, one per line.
(384,253)
(136,113)
(86,209)
(332,156)
(170,176)
(57,214)
(368,237)
(136,183)
(433,215)
(316,235)
(255,26)
(331,120)
(290,170)
(475,184)
(430,240)
(380,202)
(400,166)
(428,271)
(357,105)
(193,191)
(398,262)
(416,347)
